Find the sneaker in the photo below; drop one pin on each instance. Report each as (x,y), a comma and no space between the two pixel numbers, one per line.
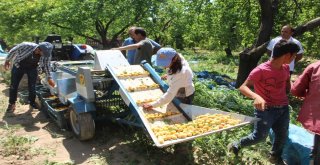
(233,149)
(11,108)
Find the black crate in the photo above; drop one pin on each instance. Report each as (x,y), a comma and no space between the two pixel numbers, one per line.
(58,112)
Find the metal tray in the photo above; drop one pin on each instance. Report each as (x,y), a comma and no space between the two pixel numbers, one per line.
(190,110)
(193,111)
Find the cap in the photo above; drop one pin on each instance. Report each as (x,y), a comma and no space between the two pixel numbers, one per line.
(165,56)
(46,48)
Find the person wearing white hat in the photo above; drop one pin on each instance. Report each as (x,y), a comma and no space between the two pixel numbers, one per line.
(179,77)
(27,58)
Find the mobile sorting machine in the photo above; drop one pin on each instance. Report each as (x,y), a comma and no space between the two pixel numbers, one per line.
(109,88)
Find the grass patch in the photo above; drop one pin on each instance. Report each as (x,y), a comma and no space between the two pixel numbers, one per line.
(47,162)
(20,146)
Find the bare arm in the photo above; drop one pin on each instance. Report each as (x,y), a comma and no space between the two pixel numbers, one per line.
(128,47)
(258,102)
(288,87)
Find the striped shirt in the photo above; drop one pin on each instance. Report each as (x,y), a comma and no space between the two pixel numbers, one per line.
(25,49)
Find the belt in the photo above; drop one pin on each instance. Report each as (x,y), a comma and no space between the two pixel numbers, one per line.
(276,106)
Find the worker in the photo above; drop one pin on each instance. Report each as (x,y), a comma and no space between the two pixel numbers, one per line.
(179,76)
(143,48)
(28,58)
(130,54)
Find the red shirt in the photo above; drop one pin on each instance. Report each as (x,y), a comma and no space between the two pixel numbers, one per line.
(270,83)
(308,86)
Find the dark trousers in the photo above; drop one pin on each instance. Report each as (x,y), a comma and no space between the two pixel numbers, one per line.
(316,149)
(16,76)
(275,118)
(186,100)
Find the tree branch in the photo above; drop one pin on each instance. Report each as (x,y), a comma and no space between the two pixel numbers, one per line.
(309,26)
(76,32)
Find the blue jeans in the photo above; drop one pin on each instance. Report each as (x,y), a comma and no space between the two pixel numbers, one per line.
(275,118)
(316,149)
(16,76)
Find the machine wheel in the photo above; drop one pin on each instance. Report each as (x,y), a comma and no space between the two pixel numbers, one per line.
(82,125)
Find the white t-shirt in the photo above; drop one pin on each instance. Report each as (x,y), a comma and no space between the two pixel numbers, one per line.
(273,42)
(182,79)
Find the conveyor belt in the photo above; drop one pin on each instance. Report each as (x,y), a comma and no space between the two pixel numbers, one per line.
(168,115)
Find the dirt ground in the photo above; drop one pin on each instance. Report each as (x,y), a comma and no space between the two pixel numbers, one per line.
(51,145)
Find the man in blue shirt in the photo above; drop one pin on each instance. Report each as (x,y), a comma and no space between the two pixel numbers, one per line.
(132,40)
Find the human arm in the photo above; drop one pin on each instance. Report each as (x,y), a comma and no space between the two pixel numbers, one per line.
(300,52)
(11,54)
(301,86)
(258,102)
(288,85)
(155,45)
(14,51)
(128,47)
(172,91)
(18,49)
(46,67)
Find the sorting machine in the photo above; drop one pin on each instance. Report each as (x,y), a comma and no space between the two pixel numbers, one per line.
(108,87)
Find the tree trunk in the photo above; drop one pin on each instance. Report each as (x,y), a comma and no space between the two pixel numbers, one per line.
(249,58)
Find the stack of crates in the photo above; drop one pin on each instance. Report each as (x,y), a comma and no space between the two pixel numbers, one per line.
(52,107)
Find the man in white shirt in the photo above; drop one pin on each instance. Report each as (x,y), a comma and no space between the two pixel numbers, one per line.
(286,34)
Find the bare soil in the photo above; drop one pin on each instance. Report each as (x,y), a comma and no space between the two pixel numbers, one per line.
(112,145)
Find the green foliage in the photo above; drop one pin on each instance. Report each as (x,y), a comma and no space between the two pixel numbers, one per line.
(213,25)
(17,145)
(47,162)
(223,99)
(212,61)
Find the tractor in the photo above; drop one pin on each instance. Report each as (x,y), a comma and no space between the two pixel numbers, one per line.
(68,50)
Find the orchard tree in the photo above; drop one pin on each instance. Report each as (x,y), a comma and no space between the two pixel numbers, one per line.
(99,20)
(250,57)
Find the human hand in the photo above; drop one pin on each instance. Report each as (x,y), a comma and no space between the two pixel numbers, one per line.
(7,65)
(51,82)
(147,106)
(164,77)
(259,103)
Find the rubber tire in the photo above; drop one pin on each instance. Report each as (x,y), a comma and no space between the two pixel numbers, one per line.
(82,125)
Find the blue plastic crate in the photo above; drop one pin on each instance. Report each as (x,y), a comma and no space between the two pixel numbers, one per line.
(58,112)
